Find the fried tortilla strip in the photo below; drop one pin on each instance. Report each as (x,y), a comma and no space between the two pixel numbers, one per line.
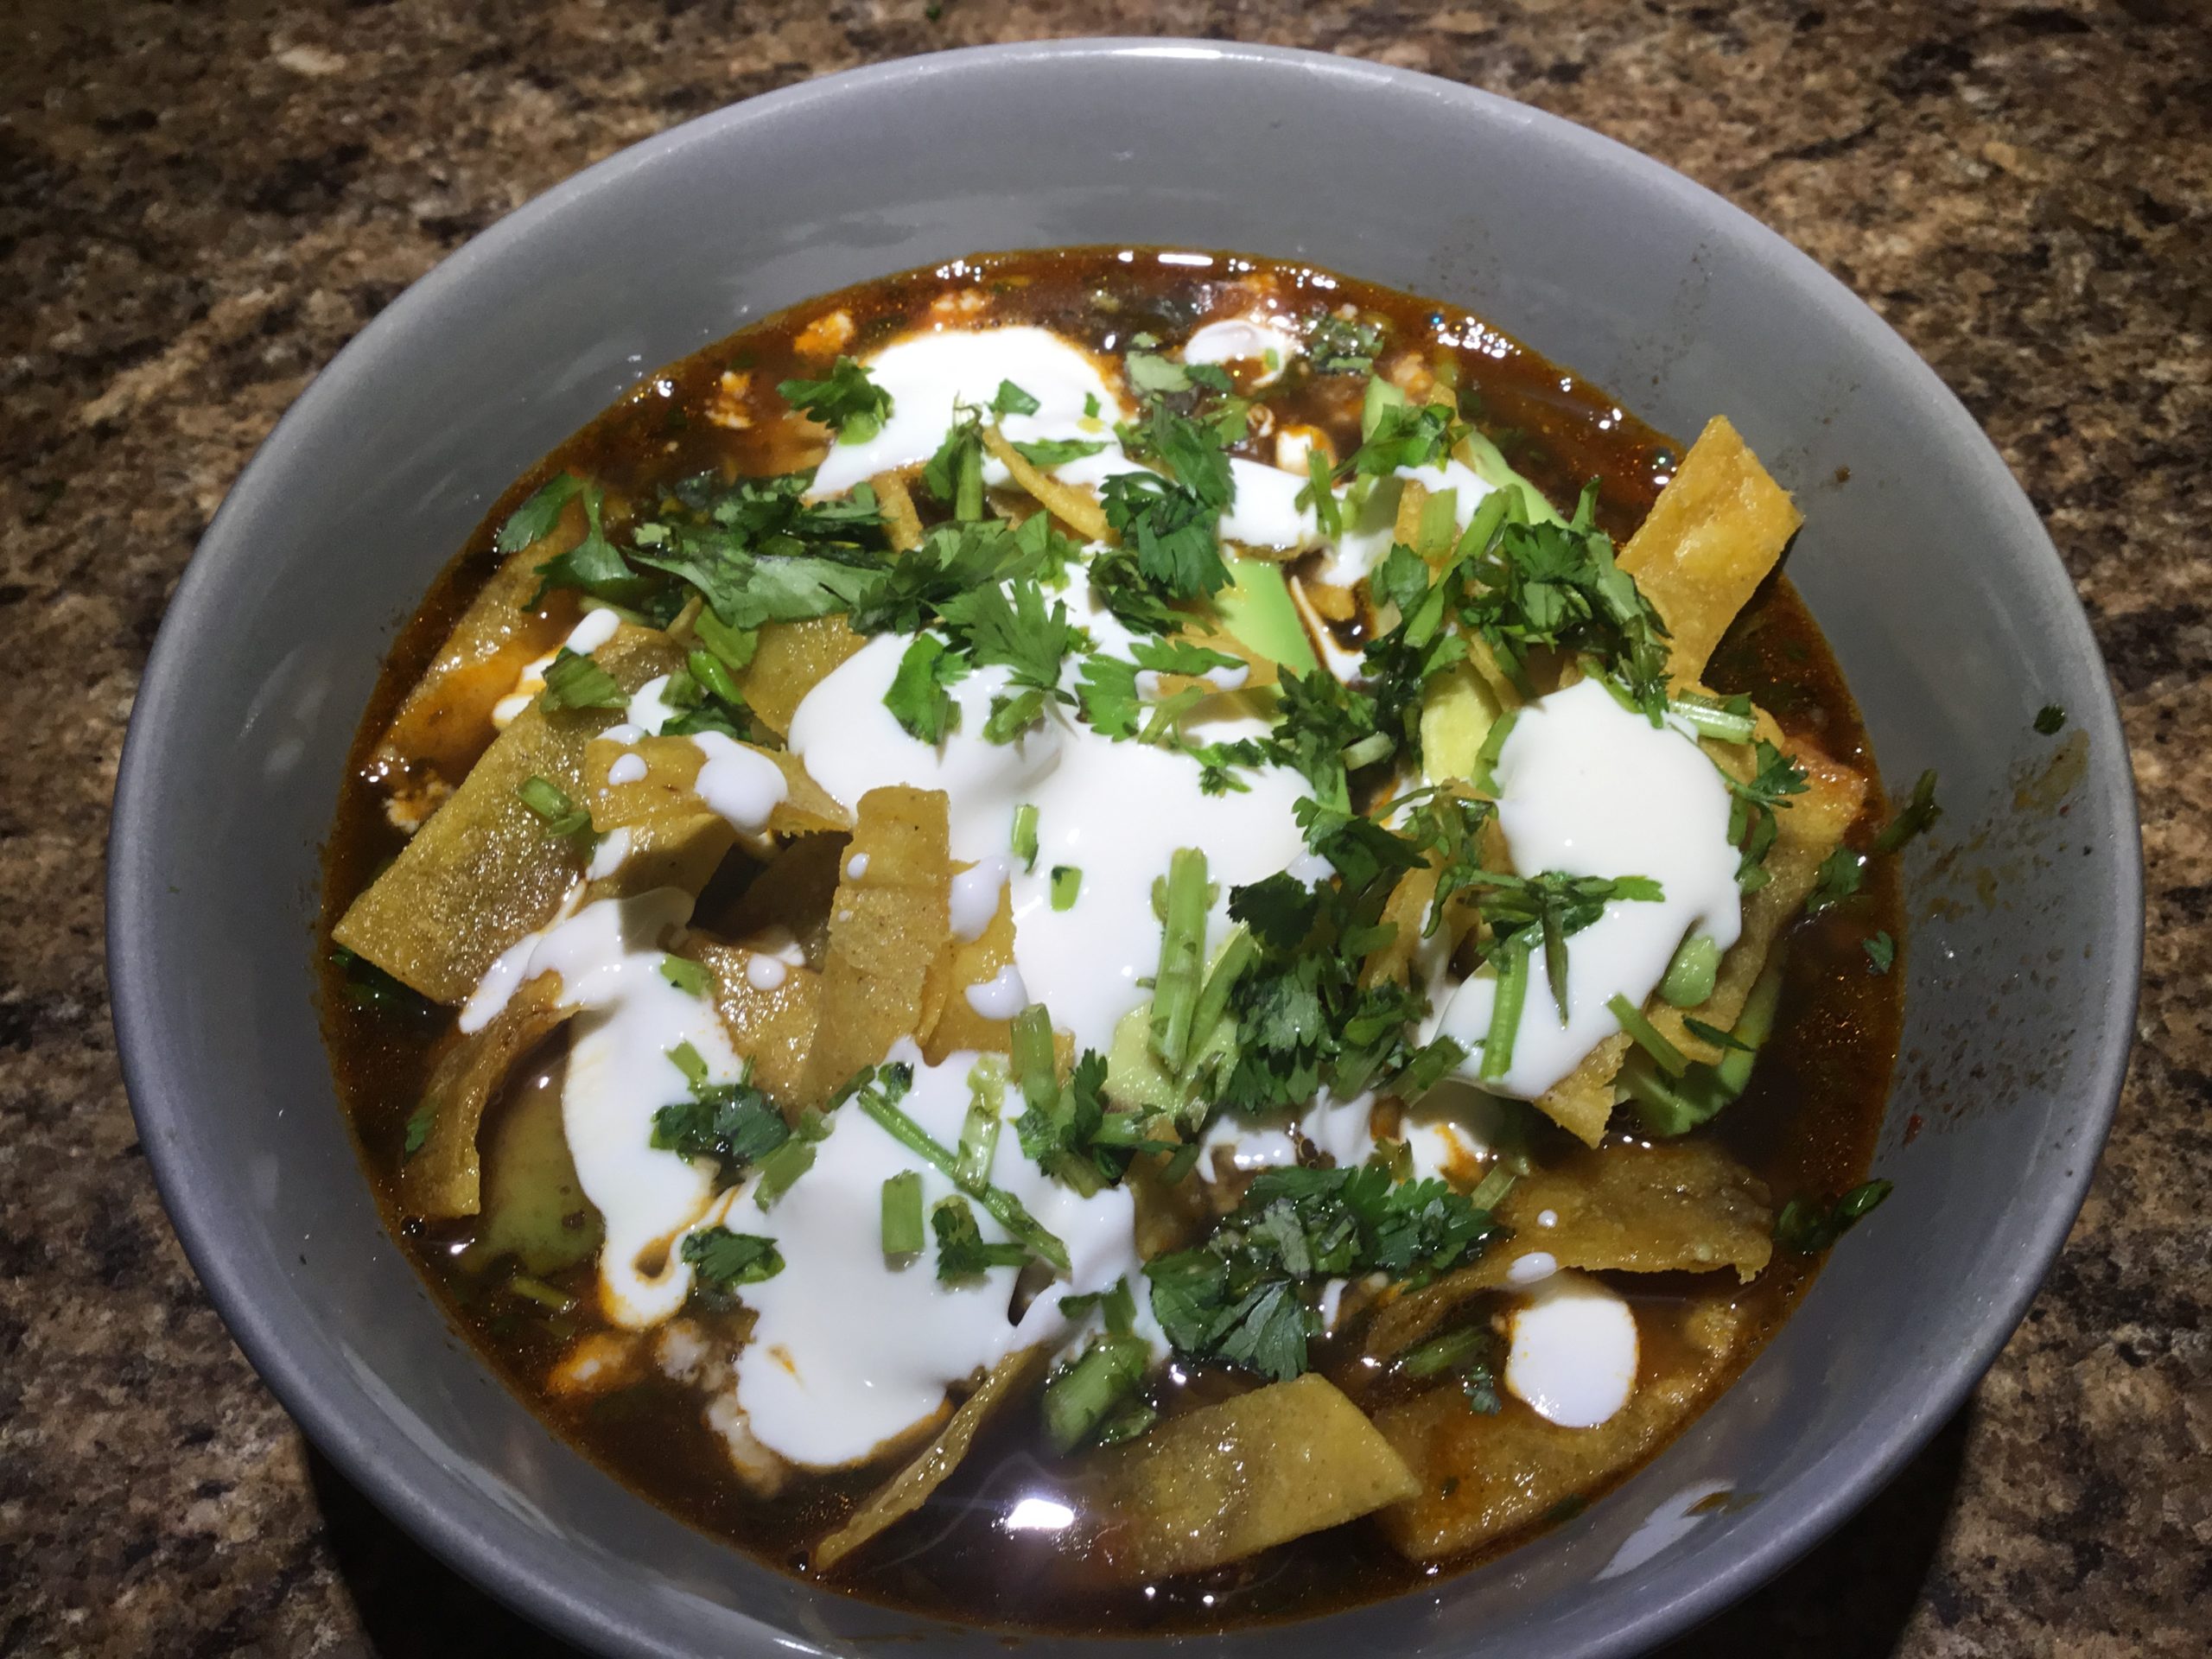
(902,525)
(1810,827)
(771,1019)
(1073,505)
(485,869)
(676,839)
(909,1489)
(1407,909)
(790,660)
(442,1178)
(1679,1207)
(1709,540)
(793,893)
(446,720)
(973,961)
(1484,1477)
(889,936)
(1229,1480)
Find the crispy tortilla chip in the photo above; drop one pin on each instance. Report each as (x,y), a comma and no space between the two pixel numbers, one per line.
(442,1178)
(889,934)
(1073,505)
(1679,1207)
(1484,1477)
(973,961)
(790,660)
(1710,539)
(793,894)
(1810,827)
(486,870)
(911,1487)
(901,523)
(446,720)
(771,1023)
(1229,1480)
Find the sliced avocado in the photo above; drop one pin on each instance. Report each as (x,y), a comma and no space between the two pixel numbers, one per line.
(1458,709)
(534,1205)
(1488,463)
(1257,608)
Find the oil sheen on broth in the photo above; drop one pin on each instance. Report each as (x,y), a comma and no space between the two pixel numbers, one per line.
(1569,1365)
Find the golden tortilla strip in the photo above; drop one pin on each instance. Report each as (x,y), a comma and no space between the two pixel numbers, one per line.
(1407,909)
(446,720)
(1073,505)
(889,933)
(1806,830)
(664,804)
(1709,540)
(485,869)
(790,660)
(1582,1100)
(1484,1477)
(902,525)
(1229,1480)
(771,1023)
(1677,1207)
(973,961)
(909,1489)
(792,893)
(442,1178)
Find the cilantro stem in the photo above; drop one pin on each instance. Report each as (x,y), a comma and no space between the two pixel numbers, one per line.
(1067,883)
(1079,1398)
(1375,746)
(1713,718)
(1648,1037)
(902,1214)
(1918,813)
(1490,1190)
(1443,1353)
(1024,834)
(1005,1208)
(968,503)
(1182,953)
(1482,527)
(979,1133)
(1238,952)
(1505,1013)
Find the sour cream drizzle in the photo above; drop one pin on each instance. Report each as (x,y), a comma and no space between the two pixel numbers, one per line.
(1573,1356)
(1591,788)
(850,1350)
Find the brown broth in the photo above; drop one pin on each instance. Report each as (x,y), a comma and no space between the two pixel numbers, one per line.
(1807,1124)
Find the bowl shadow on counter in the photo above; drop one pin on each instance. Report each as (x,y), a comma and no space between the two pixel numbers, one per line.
(1849,1597)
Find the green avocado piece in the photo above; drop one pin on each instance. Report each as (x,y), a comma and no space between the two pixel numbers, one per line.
(1257,608)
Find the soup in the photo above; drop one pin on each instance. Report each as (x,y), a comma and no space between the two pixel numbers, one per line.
(1118,940)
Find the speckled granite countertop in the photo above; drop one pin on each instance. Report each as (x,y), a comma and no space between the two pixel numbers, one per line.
(199,205)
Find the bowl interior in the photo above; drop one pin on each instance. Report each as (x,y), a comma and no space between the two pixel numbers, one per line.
(1927,570)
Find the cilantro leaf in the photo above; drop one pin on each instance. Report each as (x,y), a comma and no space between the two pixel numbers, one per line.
(962,1254)
(1809,1226)
(724,1260)
(848,401)
(534,520)
(1013,400)
(1881,952)
(732,1123)
(1057,452)
(917,698)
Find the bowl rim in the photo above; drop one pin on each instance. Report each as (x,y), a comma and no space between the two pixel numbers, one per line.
(489,1546)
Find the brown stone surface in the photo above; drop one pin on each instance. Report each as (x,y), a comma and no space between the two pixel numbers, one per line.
(199,204)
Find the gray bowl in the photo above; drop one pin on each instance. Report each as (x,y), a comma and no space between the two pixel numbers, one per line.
(1928,570)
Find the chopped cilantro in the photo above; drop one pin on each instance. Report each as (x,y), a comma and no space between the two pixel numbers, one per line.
(576,682)
(418,1128)
(1919,813)
(2050,719)
(1344,345)
(919,699)
(687,976)
(1013,400)
(534,520)
(848,401)
(1809,1226)
(1057,452)
(962,1254)
(552,806)
(732,1123)
(724,1260)
(1837,879)
(1881,952)
(1241,1297)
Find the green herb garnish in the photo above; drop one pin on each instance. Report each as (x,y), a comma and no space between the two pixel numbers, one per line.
(1811,1225)
(848,401)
